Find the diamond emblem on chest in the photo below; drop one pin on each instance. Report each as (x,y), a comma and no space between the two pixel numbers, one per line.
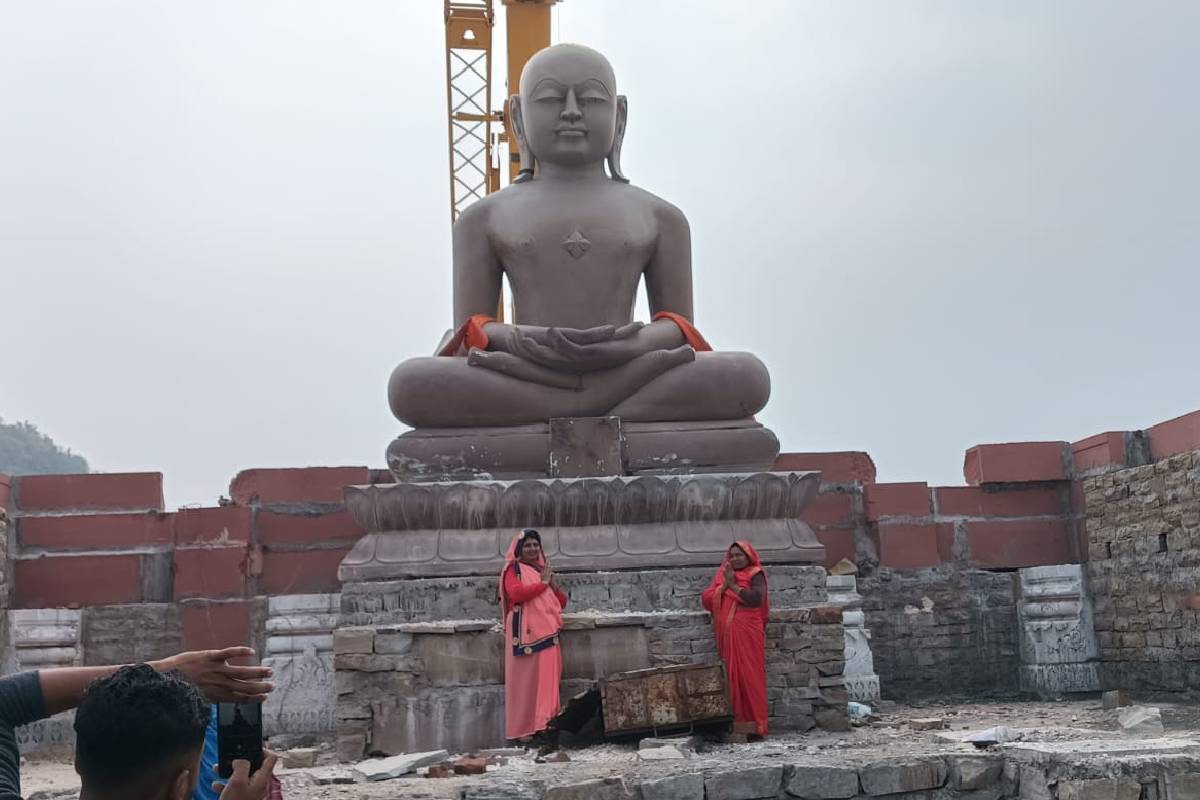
(576,244)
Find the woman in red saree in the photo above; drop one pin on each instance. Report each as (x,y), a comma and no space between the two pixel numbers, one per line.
(532,605)
(737,600)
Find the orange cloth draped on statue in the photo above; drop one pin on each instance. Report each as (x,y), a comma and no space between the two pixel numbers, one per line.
(690,334)
(471,334)
(742,641)
(532,656)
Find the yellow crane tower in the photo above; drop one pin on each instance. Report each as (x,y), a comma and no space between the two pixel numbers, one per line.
(475,152)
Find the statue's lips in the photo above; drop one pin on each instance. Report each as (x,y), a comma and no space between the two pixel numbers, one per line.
(571,133)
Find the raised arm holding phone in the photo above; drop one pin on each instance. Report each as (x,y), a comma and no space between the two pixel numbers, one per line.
(139,729)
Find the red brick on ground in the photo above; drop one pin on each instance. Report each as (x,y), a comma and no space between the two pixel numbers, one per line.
(218,524)
(301,571)
(844,467)
(975,501)
(77,580)
(283,528)
(210,572)
(95,531)
(117,491)
(1016,462)
(897,500)
(298,485)
(1025,543)
(1178,435)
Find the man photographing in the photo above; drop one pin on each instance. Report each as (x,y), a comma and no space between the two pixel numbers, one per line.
(139,729)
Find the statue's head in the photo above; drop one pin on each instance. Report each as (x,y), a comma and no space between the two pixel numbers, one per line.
(568,112)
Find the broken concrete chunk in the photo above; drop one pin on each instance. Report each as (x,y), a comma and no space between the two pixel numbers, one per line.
(333,776)
(1116,699)
(299,758)
(844,567)
(975,772)
(927,724)
(822,783)
(681,743)
(382,769)
(661,754)
(997,735)
(1141,720)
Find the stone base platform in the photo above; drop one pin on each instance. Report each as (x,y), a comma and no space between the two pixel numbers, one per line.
(421,686)
(527,451)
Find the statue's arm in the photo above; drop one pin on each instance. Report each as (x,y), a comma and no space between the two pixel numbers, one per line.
(478,272)
(669,273)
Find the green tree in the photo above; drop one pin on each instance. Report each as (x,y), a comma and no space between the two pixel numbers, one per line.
(24,450)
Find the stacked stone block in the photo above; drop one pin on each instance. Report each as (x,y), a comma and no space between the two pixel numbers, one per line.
(1143,526)
(414,686)
(442,635)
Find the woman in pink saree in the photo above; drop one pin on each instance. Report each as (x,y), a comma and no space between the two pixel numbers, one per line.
(532,604)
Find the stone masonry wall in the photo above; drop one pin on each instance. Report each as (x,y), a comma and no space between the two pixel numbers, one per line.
(939,629)
(1143,526)
(422,686)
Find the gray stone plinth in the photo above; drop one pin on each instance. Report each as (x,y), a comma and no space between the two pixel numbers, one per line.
(463,528)
(524,451)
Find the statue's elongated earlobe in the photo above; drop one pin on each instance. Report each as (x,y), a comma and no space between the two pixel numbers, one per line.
(614,155)
(516,127)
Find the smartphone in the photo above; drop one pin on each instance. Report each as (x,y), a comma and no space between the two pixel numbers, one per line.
(239,736)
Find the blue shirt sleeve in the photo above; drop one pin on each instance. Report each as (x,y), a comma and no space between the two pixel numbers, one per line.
(208,762)
(21,702)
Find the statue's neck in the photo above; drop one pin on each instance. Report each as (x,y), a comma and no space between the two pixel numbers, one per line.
(560,172)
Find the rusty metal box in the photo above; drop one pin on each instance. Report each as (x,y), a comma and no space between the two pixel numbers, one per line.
(665,698)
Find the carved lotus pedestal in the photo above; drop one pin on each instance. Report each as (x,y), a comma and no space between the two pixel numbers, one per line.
(619,522)
(420,662)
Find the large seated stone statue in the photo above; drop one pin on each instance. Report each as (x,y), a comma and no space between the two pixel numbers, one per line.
(574,243)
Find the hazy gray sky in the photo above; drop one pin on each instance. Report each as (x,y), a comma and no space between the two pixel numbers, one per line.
(939,223)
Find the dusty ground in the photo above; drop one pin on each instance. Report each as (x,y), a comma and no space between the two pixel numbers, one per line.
(890,734)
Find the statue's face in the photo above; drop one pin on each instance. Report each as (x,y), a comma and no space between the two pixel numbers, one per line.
(569,105)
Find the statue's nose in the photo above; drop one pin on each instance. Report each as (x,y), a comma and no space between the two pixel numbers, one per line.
(571,112)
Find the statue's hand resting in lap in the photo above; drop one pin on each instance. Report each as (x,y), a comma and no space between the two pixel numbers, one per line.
(560,356)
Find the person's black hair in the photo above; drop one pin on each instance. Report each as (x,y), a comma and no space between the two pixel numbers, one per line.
(529,533)
(135,727)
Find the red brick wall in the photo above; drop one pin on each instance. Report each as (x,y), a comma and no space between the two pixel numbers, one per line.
(104,539)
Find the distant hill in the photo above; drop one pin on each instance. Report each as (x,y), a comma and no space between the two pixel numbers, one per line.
(24,450)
